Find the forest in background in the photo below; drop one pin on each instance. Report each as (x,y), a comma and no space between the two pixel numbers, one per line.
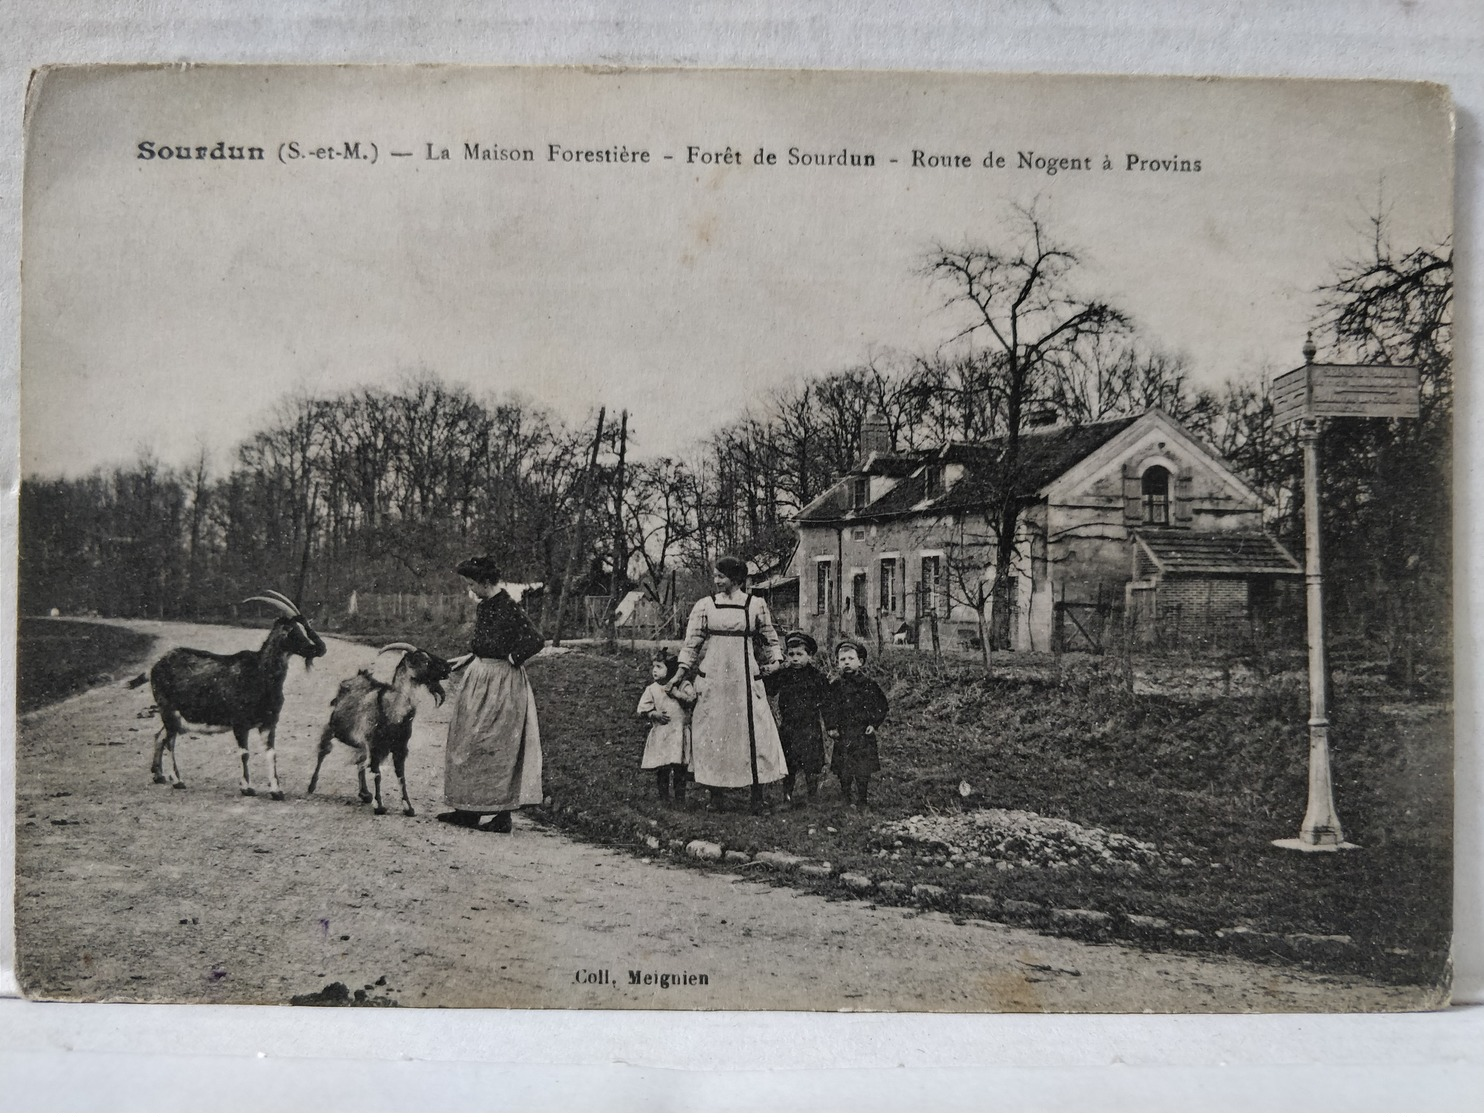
(384,489)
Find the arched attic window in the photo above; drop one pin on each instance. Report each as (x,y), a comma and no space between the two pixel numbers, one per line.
(1156,490)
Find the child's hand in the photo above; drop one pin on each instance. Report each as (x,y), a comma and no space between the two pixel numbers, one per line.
(870,731)
(659,717)
(834,734)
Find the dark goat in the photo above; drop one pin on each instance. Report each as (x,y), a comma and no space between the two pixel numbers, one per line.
(242,691)
(375,718)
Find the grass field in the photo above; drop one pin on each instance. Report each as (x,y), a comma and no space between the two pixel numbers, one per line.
(1209,781)
(57,658)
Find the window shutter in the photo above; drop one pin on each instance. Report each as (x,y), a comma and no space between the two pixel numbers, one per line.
(1183,514)
(1133,495)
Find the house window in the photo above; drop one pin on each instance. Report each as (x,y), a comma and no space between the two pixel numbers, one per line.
(824,586)
(1157,495)
(888,599)
(858,534)
(933,482)
(860,492)
(932,585)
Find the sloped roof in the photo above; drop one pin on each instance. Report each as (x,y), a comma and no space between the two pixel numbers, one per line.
(1044,456)
(1216,552)
(895,464)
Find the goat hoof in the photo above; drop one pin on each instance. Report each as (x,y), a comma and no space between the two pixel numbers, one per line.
(276,796)
(161,779)
(379,810)
(409,812)
(178,786)
(248,791)
(365,796)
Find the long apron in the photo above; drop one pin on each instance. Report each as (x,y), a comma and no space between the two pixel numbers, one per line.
(493,759)
(734,740)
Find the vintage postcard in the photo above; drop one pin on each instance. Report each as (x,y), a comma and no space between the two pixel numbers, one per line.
(735,540)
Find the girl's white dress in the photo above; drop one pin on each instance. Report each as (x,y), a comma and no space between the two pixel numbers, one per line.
(668,743)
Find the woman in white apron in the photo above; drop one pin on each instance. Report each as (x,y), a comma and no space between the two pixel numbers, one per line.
(730,643)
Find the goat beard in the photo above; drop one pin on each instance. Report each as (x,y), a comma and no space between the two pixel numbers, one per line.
(436,690)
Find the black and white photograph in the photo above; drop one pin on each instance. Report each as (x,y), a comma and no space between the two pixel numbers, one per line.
(609,538)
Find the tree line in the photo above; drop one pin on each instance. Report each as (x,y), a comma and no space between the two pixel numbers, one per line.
(384,489)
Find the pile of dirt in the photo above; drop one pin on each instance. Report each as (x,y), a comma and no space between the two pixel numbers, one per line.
(1012,839)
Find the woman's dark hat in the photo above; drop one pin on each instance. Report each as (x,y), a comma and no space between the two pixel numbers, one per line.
(734,568)
(799,639)
(860,649)
(481,568)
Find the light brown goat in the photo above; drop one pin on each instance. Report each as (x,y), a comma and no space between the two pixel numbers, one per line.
(375,718)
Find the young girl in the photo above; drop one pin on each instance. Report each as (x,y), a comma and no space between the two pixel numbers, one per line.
(665,705)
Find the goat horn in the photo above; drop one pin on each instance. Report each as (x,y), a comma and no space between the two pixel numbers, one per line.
(279,605)
(285,600)
(399,647)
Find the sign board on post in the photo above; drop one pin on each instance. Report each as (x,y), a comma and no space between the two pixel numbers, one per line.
(1345,392)
(1305,396)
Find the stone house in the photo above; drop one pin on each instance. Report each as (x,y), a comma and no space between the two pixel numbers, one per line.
(1131,520)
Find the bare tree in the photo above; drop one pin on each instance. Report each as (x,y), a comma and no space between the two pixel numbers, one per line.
(1019,303)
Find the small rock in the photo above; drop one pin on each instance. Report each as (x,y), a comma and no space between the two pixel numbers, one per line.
(704,851)
(1148,926)
(676,843)
(1187,934)
(1081,920)
(892,889)
(983,905)
(929,893)
(652,842)
(819,870)
(737,857)
(1328,947)
(1023,908)
(856,882)
(779,859)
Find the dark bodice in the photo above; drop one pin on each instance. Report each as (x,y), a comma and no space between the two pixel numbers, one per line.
(499,627)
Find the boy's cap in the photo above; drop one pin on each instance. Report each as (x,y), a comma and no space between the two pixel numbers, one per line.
(800,639)
(860,649)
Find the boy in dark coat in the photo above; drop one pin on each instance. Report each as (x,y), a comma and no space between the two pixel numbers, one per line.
(803,693)
(856,708)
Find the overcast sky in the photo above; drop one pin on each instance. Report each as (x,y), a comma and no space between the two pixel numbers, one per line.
(171,304)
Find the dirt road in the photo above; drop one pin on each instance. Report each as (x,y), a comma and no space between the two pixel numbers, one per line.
(128,890)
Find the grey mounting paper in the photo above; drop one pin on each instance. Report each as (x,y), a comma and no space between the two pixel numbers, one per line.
(976,371)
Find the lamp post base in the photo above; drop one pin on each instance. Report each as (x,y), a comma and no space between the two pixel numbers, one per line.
(1313,847)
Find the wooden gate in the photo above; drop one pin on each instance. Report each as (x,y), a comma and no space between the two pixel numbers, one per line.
(1081,626)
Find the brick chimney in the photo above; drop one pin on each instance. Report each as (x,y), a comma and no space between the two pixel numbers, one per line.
(875,436)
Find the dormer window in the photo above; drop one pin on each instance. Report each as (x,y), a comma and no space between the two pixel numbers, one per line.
(1156,488)
(932,482)
(860,492)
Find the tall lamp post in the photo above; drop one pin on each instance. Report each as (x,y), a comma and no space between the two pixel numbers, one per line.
(1306,395)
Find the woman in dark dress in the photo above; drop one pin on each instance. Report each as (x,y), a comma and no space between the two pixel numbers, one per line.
(492,765)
